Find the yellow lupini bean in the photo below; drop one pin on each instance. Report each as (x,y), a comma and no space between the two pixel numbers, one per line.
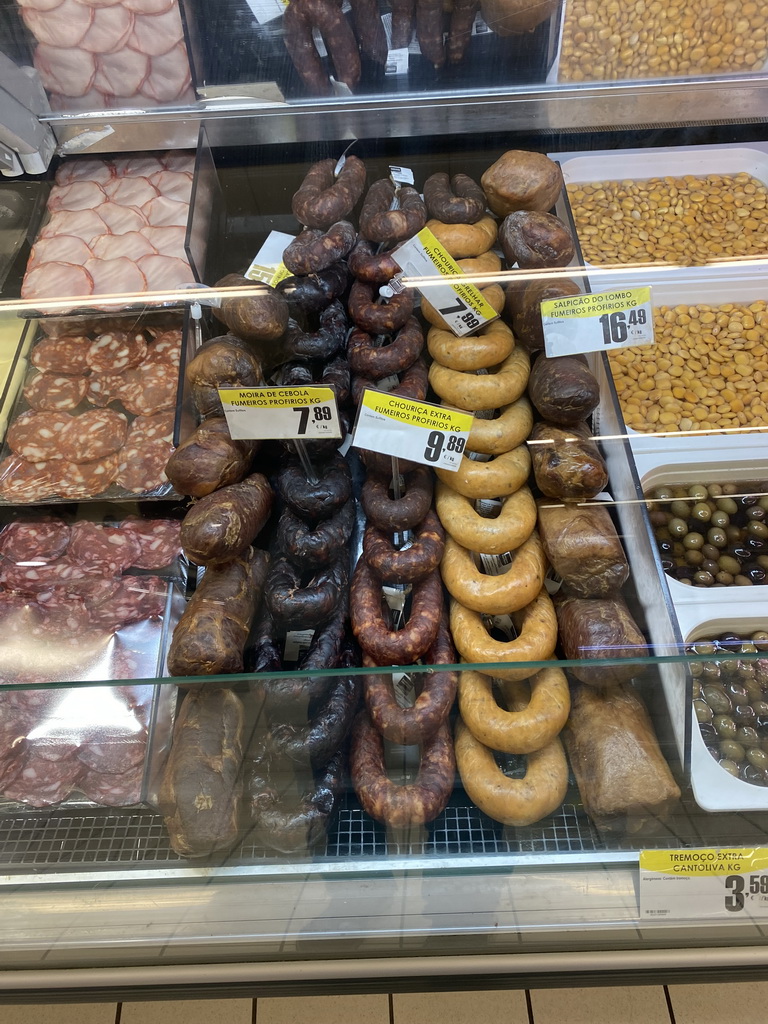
(683,384)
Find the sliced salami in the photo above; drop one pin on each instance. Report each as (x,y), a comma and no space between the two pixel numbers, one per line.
(113,790)
(147,428)
(134,599)
(142,465)
(93,435)
(42,541)
(36,435)
(150,389)
(10,769)
(50,392)
(25,482)
(166,348)
(114,755)
(38,579)
(158,541)
(65,613)
(44,783)
(104,388)
(116,350)
(106,546)
(66,354)
(85,479)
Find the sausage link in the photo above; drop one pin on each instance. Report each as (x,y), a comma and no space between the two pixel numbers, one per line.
(297,375)
(367,266)
(223,524)
(380,223)
(313,250)
(405,512)
(370,30)
(462,18)
(297,36)
(266,655)
(403,12)
(311,294)
(294,605)
(371,361)
(400,806)
(433,704)
(409,564)
(458,200)
(314,743)
(394,647)
(429,30)
(322,343)
(413,383)
(385,318)
(336,377)
(322,200)
(339,39)
(318,545)
(316,501)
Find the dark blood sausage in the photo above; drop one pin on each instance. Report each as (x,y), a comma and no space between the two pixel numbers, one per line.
(297,605)
(222,362)
(316,250)
(266,653)
(322,448)
(385,318)
(429,30)
(405,512)
(291,698)
(322,343)
(311,294)
(380,223)
(315,742)
(394,647)
(369,29)
(222,524)
(322,200)
(434,702)
(318,545)
(413,384)
(366,265)
(316,501)
(402,23)
(210,636)
(458,200)
(411,804)
(462,19)
(201,789)
(294,828)
(297,375)
(209,459)
(366,358)
(336,376)
(409,564)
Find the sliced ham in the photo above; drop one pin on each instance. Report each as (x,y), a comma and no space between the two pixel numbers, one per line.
(137,166)
(167,241)
(52,280)
(132,244)
(182,162)
(121,74)
(169,75)
(164,273)
(166,213)
(85,224)
(65,25)
(149,6)
(78,195)
(66,70)
(63,249)
(84,169)
(120,219)
(39,5)
(110,30)
(100,3)
(93,101)
(155,34)
(133,191)
(173,185)
(119,276)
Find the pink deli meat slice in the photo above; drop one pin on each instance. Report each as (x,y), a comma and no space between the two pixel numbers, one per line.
(165,273)
(132,244)
(110,30)
(131,191)
(167,241)
(169,75)
(42,541)
(106,547)
(78,195)
(61,249)
(173,185)
(100,3)
(66,25)
(136,166)
(84,224)
(183,162)
(149,6)
(122,219)
(92,101)
(51,392)
(39,5)
(156,34)
(158,540)
(162,212)
(120,276)
(122,73)
(84,169)
(66,70)
(56,281)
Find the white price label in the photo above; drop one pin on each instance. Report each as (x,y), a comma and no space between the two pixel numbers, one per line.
(297,643)
(458,302)
(602,320)
(418,431)
(725,882)
(479,26)
(267,265)
(303,413)
(397,62)
(401,175)
(265,11)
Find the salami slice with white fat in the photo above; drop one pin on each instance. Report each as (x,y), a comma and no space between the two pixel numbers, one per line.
(64,614)
(131,244)
(36,578)
(115,351)
(42,541)
(10,768)
(36,435)
(65,26)
(66,70)
(121,219)
(67,354)
(104,388)
(156,34)
(50,392)
(108,547)
(92,435)
(157,425)
(43,783)
(166,348)
(142,465)
(85,479)
(114,755)
(121,789)
(109,31)
(77,195)
(134,599)
(61,249)
(131,191)
(23,482)
(52,280)
(158,541)
(120,276)
(150,388)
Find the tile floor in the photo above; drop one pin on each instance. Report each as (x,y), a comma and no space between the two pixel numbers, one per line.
(677,1004)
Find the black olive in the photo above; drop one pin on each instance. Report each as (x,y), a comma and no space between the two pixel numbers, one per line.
(708,732)
(743,714)
(667,564)
(756,514)
(755,776)
(683,572)
(747,500)
(755,573)
(741,552)
(737,692)
(665,547)
(756,545)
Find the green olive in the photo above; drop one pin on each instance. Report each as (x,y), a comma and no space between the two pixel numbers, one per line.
(702,512)
(681,509)
(747,736)
(760,640)
(742,581)
(763,502)
(762,561)
(678,528)
(757,529)
(725,726)
(698,491)
(692,556)
(725,578)
(662,493)
(678,549)
(710,551)
(727,505)
(732,750)
(720,519)
(729,564)
(729,488)
(733,533)
(717,699)
(703,578)
(729,766)
(757,757)
(714,490)
(703,711)
(693,541)
(703,647)
(715,536)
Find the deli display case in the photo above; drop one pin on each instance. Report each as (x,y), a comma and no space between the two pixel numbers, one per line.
(383,398)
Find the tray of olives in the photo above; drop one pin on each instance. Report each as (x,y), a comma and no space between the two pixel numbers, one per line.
(729,746)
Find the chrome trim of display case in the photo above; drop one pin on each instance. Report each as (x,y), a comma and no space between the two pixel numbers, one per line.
(237,121)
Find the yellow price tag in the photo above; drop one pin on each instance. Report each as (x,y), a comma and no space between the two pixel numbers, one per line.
(298,412)
(698,883)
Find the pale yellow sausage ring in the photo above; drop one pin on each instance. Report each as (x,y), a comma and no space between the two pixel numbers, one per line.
(506,532)
(511,428)
(495,479)
(494,595)
(477,392)
(465,239)
(489,347)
